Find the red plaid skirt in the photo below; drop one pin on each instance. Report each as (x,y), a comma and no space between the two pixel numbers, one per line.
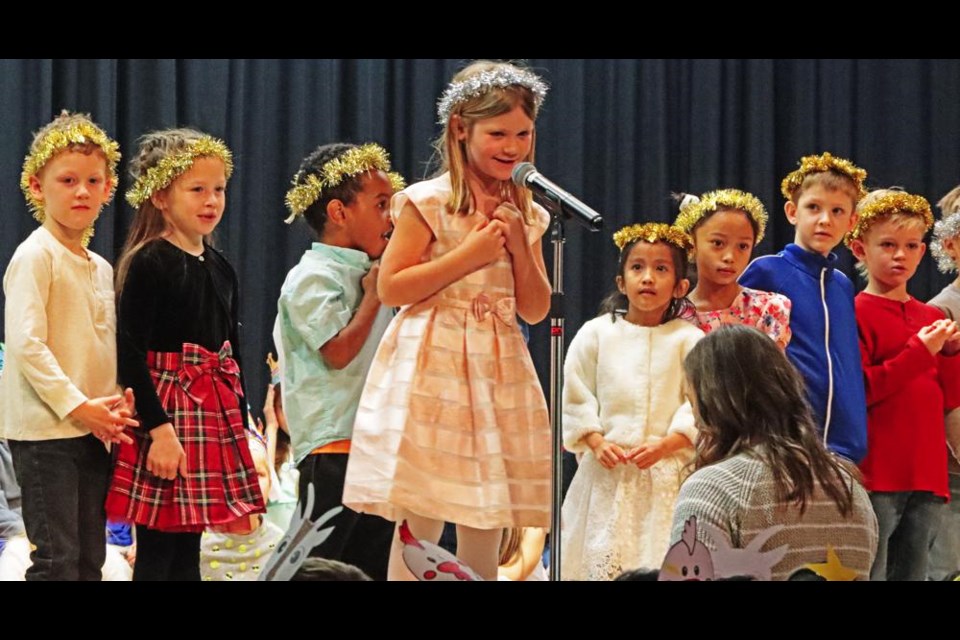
(200,390)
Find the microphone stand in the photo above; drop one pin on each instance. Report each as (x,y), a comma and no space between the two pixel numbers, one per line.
(557,316)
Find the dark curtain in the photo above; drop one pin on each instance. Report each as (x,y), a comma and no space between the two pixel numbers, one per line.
(619,134)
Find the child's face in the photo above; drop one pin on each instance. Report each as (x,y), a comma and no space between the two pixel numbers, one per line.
(723,242)
(73,186)
(650,282)
(822,217)
(496,145)
(193,205)
(891,252)
(367,219)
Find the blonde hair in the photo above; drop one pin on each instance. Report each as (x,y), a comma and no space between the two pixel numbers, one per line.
(899,219)
(494,102)
(950,203)
(149,224)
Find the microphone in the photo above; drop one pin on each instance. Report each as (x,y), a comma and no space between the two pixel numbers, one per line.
(526,175)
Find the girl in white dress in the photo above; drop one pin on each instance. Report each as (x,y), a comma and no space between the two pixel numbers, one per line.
(624,409)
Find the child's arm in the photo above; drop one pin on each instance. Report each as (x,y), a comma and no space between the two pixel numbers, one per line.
(581,406)
(341,349)
(27,288)
(886,378)
(529,272)
(405,279)
(775,320)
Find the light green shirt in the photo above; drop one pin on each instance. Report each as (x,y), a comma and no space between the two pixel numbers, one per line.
(318,299)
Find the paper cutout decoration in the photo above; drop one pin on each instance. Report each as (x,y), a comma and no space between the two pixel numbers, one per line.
(832,570)
(689,559)
(432,563)
(301,537)
(749,561)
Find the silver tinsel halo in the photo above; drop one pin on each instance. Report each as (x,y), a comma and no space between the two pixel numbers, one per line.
(484,81)
(946,227)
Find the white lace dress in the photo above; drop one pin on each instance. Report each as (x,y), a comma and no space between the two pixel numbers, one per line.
(625,381)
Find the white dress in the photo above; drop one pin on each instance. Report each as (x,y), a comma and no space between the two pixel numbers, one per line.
(626,382)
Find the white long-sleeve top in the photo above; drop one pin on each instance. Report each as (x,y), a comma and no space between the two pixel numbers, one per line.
(60,323)
(626,382)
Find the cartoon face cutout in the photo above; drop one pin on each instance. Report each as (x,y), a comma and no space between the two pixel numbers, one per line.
(688,559)
(431,563)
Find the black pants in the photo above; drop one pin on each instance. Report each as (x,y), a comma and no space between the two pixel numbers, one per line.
(162,555)
(63,485)
(360,539)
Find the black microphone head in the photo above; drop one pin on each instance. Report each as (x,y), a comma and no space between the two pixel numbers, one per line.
(521,172)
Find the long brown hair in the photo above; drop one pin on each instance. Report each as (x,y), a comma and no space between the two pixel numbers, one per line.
(453,152)
(148,224)
(749,398)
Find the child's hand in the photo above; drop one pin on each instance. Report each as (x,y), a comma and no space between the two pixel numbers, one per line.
(166,456)
(512,219)
(369,281)
(483,243)
(935,335)
(952,346)
(106,418)
(608,454)
(647,455)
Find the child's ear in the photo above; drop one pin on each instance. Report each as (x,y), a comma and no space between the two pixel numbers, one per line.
(620,286)
(790,208)
(159,199)
(683,286)
(857,249)
(336,212)
(35,190)
(923,248)
(459,129)
(853,220)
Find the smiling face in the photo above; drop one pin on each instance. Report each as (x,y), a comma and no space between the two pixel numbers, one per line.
(650,281)
(494,146)
(723,243)
(822,216)
(73,187)
(193,205)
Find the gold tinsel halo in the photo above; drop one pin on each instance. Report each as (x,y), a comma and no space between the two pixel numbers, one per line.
(55,141)
(368,157)
(897,202)
(652,232)
(819,164)
(722,200)
(168,169)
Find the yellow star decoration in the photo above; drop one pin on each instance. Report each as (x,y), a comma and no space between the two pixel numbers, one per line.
(832,570)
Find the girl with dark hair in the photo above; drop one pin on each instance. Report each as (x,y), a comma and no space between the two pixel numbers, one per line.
(623,406)
(761,464)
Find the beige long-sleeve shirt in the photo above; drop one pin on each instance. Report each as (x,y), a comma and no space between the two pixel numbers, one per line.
(60,322)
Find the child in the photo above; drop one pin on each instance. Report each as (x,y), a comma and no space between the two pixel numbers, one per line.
(242,556)
(330,322)
(760,467)
(58,390)
(284,477)
(189,467)
(821,199)
(452,423)
(521,555)
(623,402)
(725,226)
(909,383)
(945,554)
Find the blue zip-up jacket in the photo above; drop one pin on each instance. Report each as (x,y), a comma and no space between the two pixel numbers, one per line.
(824,347)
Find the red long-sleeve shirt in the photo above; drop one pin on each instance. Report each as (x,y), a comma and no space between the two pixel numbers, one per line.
(908,391)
